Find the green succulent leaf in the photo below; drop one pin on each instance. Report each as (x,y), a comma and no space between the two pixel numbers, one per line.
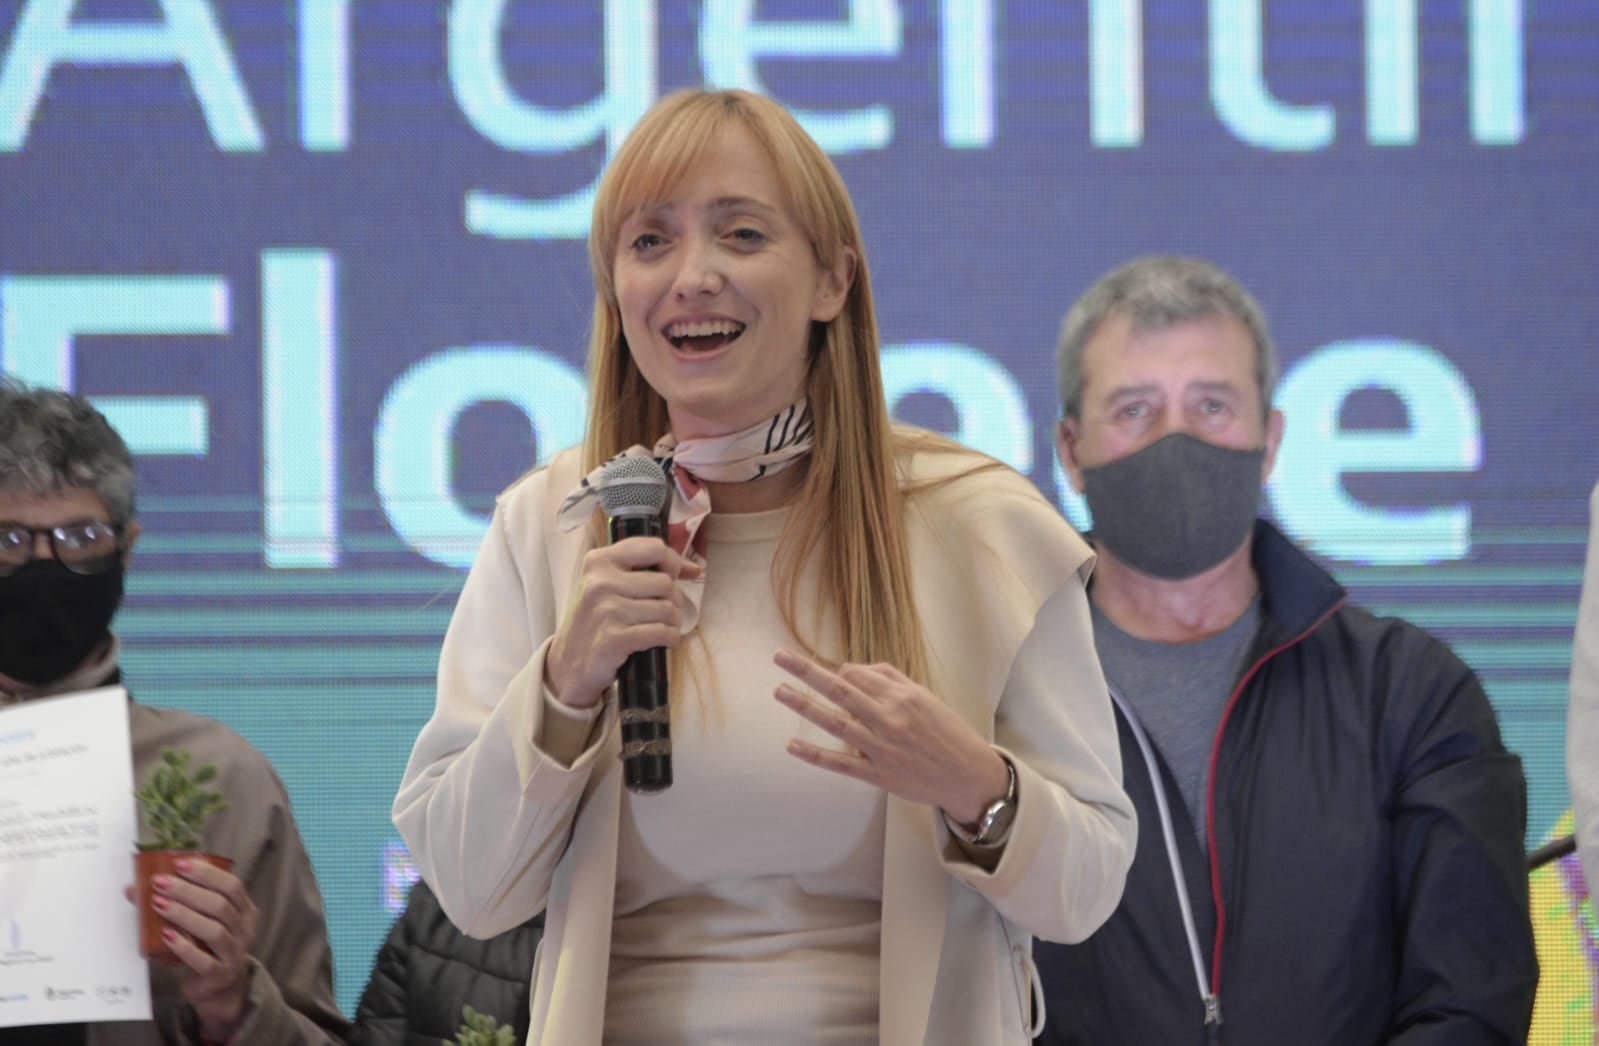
(174,805)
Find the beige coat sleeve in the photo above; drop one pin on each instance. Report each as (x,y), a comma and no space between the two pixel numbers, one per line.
(1061,872)
(1002,591)
(1582,734)
(495,778)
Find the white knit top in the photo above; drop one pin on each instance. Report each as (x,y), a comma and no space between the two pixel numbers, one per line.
(748,895)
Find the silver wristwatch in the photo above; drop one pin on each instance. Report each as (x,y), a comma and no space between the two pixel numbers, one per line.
(993,824)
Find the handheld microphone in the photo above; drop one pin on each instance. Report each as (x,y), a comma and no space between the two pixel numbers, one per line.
(633,494)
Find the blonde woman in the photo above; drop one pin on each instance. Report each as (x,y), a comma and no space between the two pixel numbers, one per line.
(894,753)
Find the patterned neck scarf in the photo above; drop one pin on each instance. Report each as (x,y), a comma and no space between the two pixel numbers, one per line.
(761,450)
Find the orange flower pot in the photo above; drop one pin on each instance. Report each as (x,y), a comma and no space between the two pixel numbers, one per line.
(150,863)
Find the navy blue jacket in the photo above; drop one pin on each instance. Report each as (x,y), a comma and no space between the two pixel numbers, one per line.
(1365,881)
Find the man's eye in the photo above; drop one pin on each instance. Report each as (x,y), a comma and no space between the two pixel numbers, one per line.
(84,535)
(75,537)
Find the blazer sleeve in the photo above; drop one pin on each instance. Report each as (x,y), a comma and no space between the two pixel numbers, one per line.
(1582,735)
(1003,595)
(496,776)
(1062,870)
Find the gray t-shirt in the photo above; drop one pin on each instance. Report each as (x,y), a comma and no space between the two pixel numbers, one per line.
(1179,691)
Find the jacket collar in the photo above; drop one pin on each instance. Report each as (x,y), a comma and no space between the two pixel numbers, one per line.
(1295,591)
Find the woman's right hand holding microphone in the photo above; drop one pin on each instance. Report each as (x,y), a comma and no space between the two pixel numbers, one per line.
(626,600)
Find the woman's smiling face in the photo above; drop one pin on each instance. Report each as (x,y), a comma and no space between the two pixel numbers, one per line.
(718,287)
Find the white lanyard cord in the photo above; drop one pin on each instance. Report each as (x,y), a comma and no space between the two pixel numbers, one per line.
(1171,849)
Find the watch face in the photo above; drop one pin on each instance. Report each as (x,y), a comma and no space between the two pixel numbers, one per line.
(1003,817)
(996,820)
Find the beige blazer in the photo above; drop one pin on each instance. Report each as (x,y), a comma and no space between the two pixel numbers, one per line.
(502,826)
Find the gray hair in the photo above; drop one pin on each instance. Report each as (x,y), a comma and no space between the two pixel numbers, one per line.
(53,441)
(1157,292)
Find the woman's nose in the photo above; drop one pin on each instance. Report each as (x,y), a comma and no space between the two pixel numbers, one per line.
(700,270)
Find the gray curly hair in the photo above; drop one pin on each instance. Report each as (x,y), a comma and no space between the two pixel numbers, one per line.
(1156,292)
(52,441)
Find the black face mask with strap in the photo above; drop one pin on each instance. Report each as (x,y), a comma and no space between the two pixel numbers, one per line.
(1177,507)
(52,620)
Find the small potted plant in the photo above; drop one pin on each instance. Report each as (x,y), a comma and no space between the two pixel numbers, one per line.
(479,1029)
(175,805)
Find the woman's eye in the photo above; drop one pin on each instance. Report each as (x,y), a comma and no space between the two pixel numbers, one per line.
(744,234)
(645,241)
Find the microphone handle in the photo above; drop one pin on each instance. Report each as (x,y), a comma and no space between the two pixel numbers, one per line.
(642,697)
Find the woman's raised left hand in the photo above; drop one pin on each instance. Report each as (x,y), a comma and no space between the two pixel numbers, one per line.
(901,737)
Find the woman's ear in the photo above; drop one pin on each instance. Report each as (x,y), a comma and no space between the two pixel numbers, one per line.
(832,286)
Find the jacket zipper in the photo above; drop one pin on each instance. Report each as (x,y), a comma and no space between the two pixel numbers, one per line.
(1213,1000)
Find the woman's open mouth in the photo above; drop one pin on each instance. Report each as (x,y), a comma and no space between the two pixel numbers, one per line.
(703,336)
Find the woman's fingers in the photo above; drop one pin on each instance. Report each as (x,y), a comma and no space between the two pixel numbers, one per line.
(828,717)
(649,554)
(829,684)
(627,600)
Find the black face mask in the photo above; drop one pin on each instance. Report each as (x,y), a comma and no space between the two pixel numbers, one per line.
(51,619)
(1177,507)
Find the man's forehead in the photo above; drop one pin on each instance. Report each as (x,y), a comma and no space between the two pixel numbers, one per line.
(65,504)
(1213,341)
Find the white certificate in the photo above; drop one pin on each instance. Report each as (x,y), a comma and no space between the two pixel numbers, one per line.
(69,939)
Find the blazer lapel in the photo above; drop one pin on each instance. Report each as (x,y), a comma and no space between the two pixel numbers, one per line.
(915,905)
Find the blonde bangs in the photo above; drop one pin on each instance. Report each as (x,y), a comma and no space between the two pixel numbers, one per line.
(657,156)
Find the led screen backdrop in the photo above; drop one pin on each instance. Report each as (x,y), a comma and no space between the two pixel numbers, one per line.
(322,263)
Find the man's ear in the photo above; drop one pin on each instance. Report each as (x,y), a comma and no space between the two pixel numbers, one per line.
(130,534)
(1066,451)
(1275,424)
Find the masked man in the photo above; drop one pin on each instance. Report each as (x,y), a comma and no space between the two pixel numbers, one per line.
(254,962)
(1330,832)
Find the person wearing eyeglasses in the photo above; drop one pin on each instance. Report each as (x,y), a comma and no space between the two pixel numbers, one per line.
(254,963)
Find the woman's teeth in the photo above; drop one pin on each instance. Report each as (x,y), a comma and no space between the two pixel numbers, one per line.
(703,335)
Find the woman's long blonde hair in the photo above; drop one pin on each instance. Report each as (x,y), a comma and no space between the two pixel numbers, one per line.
(850,511)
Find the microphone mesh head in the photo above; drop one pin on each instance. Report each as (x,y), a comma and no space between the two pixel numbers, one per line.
(633,486)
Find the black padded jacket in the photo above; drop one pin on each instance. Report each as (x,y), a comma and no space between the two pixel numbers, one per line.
(427,971)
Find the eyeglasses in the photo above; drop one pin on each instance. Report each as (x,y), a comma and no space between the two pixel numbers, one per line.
(89,547)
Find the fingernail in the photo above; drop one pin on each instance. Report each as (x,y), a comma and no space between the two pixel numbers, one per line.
(161,882)
(170,936)
(183,864)
(159,903)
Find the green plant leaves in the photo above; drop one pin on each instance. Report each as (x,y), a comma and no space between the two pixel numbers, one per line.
(174,805)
